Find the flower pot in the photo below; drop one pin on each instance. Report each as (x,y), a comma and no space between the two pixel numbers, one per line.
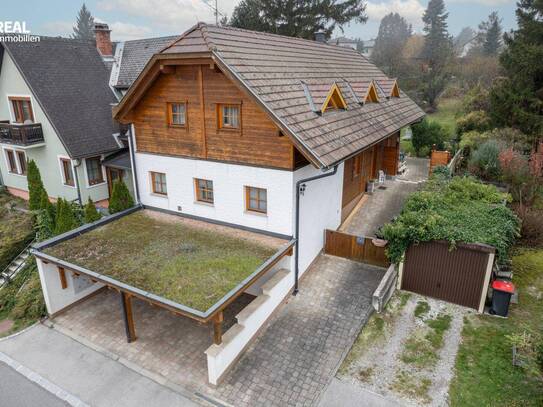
(379,242)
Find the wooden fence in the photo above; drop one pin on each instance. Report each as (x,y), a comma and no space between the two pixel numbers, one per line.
(439,158)
(358,248)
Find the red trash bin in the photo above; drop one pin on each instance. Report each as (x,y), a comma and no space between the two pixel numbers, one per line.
(501,297)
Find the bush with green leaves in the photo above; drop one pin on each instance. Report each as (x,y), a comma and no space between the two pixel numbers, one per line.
(66,217)
(442,171)
(476,99)
(426,134)
(485,162)
(35,186)
(120,198)
(91,213)
(477,120)
(458,210)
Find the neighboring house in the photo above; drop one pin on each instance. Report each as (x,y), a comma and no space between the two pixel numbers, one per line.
(344,42)
(55,109)
(367,48)
(222,132)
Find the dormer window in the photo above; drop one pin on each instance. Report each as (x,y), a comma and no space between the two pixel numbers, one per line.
(22,109)
(389,88)
(371,96)
(334,100)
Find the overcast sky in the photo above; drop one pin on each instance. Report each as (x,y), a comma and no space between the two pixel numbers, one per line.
(131,19)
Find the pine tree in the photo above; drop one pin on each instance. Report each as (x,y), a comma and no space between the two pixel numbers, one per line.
(84,28)
(46,205)
(297,18)
(91,213)
(66,219)
(492,34)
(393,34)
(120,198)
(437,50)
(517,100)
(35,186)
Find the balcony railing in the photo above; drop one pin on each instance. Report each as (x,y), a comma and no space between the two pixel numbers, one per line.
(21,134)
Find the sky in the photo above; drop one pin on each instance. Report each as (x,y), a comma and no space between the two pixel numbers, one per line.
(133,19)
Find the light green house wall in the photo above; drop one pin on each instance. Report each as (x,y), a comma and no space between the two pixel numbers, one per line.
(47,156)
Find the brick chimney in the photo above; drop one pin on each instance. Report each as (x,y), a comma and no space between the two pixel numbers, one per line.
(103,39)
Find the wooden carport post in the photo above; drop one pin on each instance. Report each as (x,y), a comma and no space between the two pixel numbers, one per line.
(217,328)
(126,302)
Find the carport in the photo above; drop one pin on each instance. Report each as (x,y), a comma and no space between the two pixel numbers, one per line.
(188,268)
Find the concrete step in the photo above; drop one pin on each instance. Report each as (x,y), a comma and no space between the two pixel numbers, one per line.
(269,285)
(246,312)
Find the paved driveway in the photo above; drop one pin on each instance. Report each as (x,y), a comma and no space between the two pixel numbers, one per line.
(303,345)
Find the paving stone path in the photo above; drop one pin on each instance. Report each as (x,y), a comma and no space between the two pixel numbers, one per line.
(300,350)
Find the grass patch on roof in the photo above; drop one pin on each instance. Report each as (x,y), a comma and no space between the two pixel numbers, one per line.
(192,266)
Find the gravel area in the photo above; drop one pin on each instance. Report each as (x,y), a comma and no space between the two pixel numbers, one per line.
(377,364)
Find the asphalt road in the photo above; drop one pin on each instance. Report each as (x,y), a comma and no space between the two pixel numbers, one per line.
(17,391)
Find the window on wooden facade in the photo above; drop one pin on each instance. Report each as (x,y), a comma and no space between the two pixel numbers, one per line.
(158,183)
(177,114)
(229,116)
(94,170)
(256,199)
(334,100)
(67,172)
(22,109)
(204,190)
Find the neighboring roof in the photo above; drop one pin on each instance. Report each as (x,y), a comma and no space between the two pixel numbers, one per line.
(135,55)
(273,69)
(369,43)
(70,82)
(342,40)
(119,159)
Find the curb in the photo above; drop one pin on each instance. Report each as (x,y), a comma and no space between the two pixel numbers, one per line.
(41,381)
(197,397)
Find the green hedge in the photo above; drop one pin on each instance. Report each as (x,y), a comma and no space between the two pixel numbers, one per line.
(461,209)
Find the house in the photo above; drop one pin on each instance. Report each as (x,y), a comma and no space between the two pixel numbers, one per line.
(247,131)
(367,47)
(344,42)
(55,109)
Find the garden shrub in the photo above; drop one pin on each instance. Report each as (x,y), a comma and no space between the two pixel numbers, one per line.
(458,210)
(91,213)
(531,230)
(472,139)
(477,120)
(120,198)
(66,218)
(426,134)
(35,186)
(523,173)
(476,99)
(485,162)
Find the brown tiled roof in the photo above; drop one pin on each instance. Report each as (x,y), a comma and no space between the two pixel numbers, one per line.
(273,68)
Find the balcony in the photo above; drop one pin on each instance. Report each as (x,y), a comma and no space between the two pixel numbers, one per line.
(21,134)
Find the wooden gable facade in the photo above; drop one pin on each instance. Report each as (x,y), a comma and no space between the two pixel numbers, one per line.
(203,89)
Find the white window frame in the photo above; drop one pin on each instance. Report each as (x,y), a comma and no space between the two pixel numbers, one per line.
(104,177)
(17,163)
(65,157)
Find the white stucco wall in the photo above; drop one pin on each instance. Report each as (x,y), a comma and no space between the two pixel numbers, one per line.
(47,156)
(56,298)
(229,181)
(320,209)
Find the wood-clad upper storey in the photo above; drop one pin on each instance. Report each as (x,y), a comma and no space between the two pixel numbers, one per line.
(203,90)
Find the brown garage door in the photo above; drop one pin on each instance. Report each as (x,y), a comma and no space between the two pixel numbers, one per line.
(455,276)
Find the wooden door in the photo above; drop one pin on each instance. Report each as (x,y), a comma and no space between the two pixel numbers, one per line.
(113,174)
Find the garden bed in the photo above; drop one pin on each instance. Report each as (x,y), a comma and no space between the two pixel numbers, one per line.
(16,228)
(189,262)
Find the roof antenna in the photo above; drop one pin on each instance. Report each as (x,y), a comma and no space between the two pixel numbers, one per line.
(215,9)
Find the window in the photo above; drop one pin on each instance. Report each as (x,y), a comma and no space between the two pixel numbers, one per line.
(22,109)
(94,171)
(256,199)
(12,164)
(229,116)
(21,157)
(158,183)
(204,190)
(67,172)
(177,114)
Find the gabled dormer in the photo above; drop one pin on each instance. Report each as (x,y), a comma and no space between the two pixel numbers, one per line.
(334,99)
(389,87)
(372,95)
(365,91)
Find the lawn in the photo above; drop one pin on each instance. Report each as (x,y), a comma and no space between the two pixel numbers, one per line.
(484,373)
(168,256)
(16,228)
(446,114)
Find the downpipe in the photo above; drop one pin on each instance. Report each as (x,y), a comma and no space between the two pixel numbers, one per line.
(300,189)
